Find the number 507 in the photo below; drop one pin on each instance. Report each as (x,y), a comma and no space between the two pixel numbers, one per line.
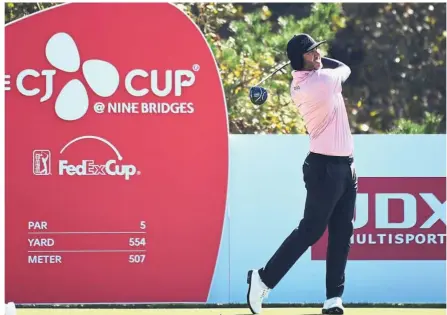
(137,259)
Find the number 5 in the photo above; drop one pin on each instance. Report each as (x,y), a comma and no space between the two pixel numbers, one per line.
(143,225)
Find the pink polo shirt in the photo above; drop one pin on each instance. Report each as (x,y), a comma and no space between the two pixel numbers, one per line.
(317,95)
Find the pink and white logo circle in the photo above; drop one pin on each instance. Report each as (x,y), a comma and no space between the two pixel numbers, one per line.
(101,76)
(141,76)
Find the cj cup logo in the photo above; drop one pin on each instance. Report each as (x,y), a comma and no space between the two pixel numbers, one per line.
(102,78)
(87,167)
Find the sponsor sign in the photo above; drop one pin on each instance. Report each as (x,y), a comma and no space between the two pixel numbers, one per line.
(124,124)
(397,218)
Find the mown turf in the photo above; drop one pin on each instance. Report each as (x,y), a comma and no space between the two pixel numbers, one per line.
(230,311)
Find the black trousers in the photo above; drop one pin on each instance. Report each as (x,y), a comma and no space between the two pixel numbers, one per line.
(331,184)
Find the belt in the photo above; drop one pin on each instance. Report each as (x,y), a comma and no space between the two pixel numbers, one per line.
(330,158)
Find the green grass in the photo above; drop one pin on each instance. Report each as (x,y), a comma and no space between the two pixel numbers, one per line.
(229,311)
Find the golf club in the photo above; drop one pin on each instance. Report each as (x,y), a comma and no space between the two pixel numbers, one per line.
(275,70)
(258,95)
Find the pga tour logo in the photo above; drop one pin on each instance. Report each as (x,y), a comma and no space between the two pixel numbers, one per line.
(113,167)
(101,76)
(41,162)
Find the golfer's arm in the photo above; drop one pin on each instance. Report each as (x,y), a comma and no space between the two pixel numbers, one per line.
(342,70)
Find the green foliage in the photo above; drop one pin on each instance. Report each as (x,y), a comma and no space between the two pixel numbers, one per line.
(397,55)
(14,11)
(256,43)
(430,125)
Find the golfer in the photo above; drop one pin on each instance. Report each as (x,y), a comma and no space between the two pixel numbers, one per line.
(328,173)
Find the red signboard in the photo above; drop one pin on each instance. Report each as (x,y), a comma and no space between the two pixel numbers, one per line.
(397,218)
(116,156)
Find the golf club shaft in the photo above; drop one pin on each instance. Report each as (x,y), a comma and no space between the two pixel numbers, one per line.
(276,70)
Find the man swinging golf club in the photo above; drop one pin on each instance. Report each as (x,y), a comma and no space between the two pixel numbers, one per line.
(329,176)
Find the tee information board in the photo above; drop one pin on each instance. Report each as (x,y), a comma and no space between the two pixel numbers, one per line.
(116,156)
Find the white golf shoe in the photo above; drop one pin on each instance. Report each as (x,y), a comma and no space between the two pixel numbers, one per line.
(10,309)
(333,306)
(257,291)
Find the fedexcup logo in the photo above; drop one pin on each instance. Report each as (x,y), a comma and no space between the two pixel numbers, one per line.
(103,79)
(112,167)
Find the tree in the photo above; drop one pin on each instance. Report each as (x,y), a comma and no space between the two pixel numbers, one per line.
(257,43)
(14,11)
(397,56)
(429,125)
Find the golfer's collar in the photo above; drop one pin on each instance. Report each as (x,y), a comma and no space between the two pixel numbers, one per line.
(301,74)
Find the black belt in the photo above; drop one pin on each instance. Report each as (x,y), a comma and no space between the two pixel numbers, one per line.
(330,158)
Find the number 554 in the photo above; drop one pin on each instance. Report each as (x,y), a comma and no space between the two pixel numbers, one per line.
(135,242)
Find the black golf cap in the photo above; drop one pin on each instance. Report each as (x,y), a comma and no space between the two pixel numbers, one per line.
(298,46)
